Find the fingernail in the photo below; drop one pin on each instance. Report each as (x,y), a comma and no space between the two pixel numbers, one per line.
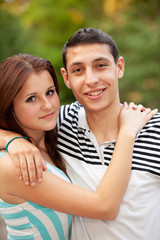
(39,179)
(33,184)
(124,104)
(20,177)
(27,182)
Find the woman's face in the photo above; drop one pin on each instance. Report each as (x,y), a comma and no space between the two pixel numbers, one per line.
(36,106)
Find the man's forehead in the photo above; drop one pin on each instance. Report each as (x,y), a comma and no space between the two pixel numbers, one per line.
(83,52)
(88,46)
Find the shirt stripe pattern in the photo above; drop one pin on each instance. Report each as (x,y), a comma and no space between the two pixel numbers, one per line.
(74,142)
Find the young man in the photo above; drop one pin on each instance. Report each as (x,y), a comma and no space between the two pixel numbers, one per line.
(87,136)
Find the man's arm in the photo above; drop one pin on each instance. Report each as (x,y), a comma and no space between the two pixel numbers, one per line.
(27,159)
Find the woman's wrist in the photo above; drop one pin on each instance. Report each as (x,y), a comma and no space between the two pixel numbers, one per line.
(5,137)
(13,140)
(127,133)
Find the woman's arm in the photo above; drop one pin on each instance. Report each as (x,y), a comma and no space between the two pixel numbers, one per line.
(101,204)
(27,159)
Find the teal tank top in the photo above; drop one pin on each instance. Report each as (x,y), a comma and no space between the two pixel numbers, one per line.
(30,221)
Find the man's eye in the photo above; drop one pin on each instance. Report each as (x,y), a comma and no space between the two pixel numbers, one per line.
(101,65)
(77,70)
(31,99)
(50,92)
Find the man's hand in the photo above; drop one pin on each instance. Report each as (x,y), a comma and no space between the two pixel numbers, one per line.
(28,161)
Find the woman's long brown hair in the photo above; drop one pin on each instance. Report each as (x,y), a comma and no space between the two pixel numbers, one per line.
(14,71)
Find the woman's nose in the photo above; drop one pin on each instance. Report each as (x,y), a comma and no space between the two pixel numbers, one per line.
(45,104)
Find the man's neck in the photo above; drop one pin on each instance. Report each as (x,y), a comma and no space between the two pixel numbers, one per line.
(104,124)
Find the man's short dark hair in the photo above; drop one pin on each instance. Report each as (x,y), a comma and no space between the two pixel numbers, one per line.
(89,36)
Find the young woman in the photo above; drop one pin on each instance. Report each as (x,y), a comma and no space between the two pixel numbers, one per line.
(29,106)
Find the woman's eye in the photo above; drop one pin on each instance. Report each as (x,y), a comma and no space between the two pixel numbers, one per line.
(31,99)
(50,93)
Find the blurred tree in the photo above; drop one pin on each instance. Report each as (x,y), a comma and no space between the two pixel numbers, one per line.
(112,7)
(10,32)
(14,39)
(139,40)
(42,27)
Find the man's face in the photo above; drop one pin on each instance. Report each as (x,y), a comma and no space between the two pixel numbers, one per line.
(93,75)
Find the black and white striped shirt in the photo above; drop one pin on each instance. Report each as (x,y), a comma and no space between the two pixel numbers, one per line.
(87,161)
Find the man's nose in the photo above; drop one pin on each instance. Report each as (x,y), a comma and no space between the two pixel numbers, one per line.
(91,77)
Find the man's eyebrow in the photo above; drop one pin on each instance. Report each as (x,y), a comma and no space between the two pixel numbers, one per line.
(95,60)
(75,63)
(101,59)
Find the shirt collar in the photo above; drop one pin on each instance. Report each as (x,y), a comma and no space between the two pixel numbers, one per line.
(82,122)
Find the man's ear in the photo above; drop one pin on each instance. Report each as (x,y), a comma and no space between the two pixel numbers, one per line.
(65,77)
(120,65)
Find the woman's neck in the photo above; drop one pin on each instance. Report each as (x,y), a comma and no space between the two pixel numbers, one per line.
(38,139)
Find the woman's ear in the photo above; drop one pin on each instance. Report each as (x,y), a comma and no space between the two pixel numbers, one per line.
(120,65)
(65,77)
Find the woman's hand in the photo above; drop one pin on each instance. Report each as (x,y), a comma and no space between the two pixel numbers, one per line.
(133,118)
(28,161)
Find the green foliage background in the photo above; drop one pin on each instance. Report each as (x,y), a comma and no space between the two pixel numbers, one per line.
(41,27)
